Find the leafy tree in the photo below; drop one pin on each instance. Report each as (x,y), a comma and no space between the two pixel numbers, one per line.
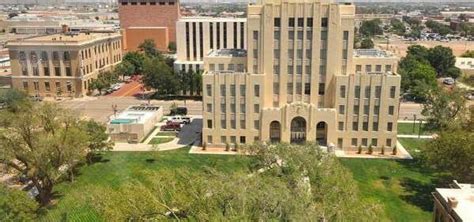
(397,26)
(14,99)
(149,48)
(437,27)
(418,52)
(441,58)
(413,22)
(159,76)
(453,72)
(104,80)
(172,47)
(418,77)
(98,138)
(452,152)
(468,54)
(367,43)
(44,143)
(125,68)
(371,28)
(136,59)
(444,109)
(16,205)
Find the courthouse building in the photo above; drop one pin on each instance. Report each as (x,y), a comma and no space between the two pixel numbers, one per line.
(300,80)
(60,64)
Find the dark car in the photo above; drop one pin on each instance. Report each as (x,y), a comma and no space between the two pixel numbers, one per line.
(171,126)
(182,111)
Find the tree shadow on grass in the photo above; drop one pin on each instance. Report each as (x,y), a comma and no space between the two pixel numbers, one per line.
(419,193)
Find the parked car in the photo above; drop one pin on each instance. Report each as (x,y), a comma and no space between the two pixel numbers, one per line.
(448,81)
(470,95)
(179,119)
(186,119)
(171,126)
(36,98)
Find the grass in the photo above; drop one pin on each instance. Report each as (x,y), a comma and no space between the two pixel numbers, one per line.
(159,140)
(403,186)
(166,134)
(117,168)
(407,129)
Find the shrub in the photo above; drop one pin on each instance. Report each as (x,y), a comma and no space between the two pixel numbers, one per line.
(236,147)
(383,150)
(359,150)
(204,146)
(394,151)
(371,149)
(227,147)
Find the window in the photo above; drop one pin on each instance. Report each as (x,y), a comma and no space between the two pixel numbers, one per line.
(68,71)
(69,87)
(209,107)
(223,108)
(391,110)
(366,109)
(342,109)
(55,56)
(277,22)
(25,86)
(291,22)
(367,92)
(364,141)
(57,71)
(375,126)
(376,110)
(223,92)
(368,68)
(223,124)
(324,22)
(365,126)
(309,22)
(242,139)
(67,56)
(321,89)
(378,68)
(242,124)
(209,90)
(256,108)
(232,108)
(233,126)
(47,86)
(388,68)
(290,69)
(232,90)
(340,126)
(339,142)
(390,126)
(256,124)
(356,109)
(276,88)
(242,108)
(374,142)
(44,56)
(393,90)
(209,123)
(378,91)
(289,88)
(255,35)
(307,88)
(46,71)
(300,22)
(242,90)
(388,142)
(355,126)
(223,139)
(342,91)
(357,92)
(358,68)
(354,142)
(257,90)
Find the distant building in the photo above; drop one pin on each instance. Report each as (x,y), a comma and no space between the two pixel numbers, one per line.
(198,36)
(300,80)
(466,65)
(62,65)
(148,19)
(133,124)
(454,204)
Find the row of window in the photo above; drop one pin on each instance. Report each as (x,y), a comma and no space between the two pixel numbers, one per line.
(378,68)
(99,49)
(300,22)
(47,86)
(342,110)
(233,124)
(230,67)
(44,56)
(365,126)
(233,139)
(367,91)
(46,71)
(223,90)
(147,2)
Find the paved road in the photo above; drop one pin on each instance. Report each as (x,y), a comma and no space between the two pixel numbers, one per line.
(407,110)
(134,88)
(100,108)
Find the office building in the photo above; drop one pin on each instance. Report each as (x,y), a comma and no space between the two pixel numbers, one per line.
(454,204)
(60,64)
(148,19)
(299,80)
(197,36)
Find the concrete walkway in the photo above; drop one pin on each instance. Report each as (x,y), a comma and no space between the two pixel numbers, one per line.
(402,153)
(416,136)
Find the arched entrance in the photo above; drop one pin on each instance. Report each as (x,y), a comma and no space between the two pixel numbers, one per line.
(322,133)
(275,132)
(298,130)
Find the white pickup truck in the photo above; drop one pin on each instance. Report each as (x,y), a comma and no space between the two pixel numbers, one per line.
(179,119)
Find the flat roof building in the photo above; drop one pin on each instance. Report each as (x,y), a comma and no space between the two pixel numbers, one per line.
(454,204)
(133,124)
(62,64)
(466,65)
(299,81)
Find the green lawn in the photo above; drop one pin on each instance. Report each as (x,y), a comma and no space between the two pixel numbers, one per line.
(117,168)
(166,134)
(407,129)
(403,186)
(160,140)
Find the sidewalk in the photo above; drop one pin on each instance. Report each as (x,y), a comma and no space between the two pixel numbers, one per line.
(416,136)
(402,153)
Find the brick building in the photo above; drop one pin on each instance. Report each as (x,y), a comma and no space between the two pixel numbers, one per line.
(148,19)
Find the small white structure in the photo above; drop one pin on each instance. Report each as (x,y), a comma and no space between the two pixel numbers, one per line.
(133,124)
(454,204)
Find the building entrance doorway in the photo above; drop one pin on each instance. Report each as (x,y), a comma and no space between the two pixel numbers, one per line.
(298,130)
(275,132)
(322,133)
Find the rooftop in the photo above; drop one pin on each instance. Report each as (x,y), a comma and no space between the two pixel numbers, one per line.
(207,18)
(464,194)
(63,39)
(372,53)
(465,63)
(228,53)
(135,115)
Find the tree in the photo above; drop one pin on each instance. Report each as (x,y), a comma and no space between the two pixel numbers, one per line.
(371,28)
(452,152)
(172,46)
(44,143)
(136,59)
(367,43)
(468,54)
(441,58)
(437,27)
(16,205)
(397,26)
(418,52)
(14,99)
(125,68)
(98,138)
(104,80)
(453,72)
(444,109)
(159,76)
(149,48)
(418,77)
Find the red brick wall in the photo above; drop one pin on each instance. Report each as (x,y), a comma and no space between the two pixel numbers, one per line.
(150,16)
(133,37)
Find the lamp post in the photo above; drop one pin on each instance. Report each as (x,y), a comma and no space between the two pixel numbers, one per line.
(414,122)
